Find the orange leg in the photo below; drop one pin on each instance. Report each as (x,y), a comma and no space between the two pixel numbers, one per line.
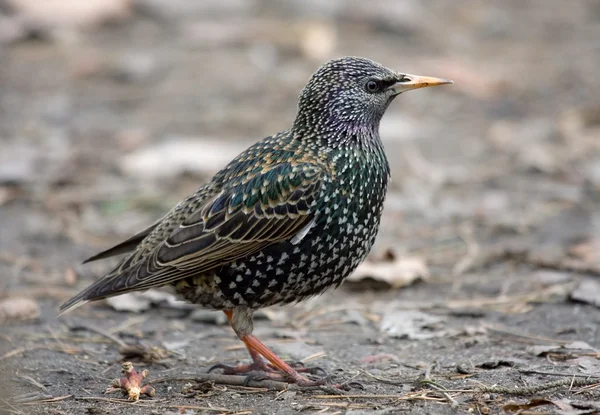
(271,366)
(256,346)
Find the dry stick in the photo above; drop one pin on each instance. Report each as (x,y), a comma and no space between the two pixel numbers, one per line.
(152,402)
(313,356)
(587,388)
(540,372)
(573,381)
(49,400)
(536,388)
(13,409)
(388,381)
(467,261)
(503,331)
(235,380)
(33,382)
(430,382)
(30,397)
(482,389)
(231,380)
(199,408)
(356,396)
(101,332)
(524,256)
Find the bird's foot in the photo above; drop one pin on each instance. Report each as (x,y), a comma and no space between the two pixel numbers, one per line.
(261,369)
(296,379)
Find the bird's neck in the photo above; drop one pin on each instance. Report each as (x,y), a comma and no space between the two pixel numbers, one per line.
(334,132)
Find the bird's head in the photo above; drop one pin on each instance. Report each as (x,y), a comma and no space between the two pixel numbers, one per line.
(352,94)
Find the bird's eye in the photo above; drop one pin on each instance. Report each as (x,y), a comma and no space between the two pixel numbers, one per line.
(372,86)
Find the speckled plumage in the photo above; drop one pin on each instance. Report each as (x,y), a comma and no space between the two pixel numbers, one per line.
(290,217)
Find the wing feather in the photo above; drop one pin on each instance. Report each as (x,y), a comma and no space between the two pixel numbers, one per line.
(249,214)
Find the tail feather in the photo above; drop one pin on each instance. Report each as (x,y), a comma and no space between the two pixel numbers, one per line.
(96,291)
(72,304)
(109,286)
(135,278)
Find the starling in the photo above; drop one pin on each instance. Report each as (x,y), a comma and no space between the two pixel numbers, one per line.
(288,218)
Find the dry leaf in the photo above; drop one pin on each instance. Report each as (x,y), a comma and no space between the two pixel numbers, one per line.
(565,349)
(588,291)
(412,324)
(141,301)
(565,406)
(18,309)
(517,407)
(394,270)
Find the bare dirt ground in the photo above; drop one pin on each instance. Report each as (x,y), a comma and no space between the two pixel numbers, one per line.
(109,116)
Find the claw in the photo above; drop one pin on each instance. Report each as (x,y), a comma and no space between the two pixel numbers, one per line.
(315,370)
(218,366)
(266,369)
(255,376)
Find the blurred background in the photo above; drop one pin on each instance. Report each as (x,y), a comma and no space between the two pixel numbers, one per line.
(111,111)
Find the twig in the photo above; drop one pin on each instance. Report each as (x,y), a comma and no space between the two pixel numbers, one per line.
(231,380)
(540,372)
(442,390)
(47,400)
(101,332)
(357,396)
(6,405)
(241,381)
(588,388)
(524,256)
(119,401)
(430,382)
(33,382)
(503,331)
(313,356)
(388,381)
(467,261)
(528,390)
(199,408)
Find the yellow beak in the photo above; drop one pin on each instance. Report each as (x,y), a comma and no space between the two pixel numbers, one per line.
(409,82)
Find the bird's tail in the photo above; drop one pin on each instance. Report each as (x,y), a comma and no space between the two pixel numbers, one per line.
(109,286)
(96,291)
(72,304)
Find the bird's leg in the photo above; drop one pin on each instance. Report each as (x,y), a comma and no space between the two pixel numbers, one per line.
(256,346)
(264,360)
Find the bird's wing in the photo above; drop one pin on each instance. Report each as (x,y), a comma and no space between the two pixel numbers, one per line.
(267,207)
